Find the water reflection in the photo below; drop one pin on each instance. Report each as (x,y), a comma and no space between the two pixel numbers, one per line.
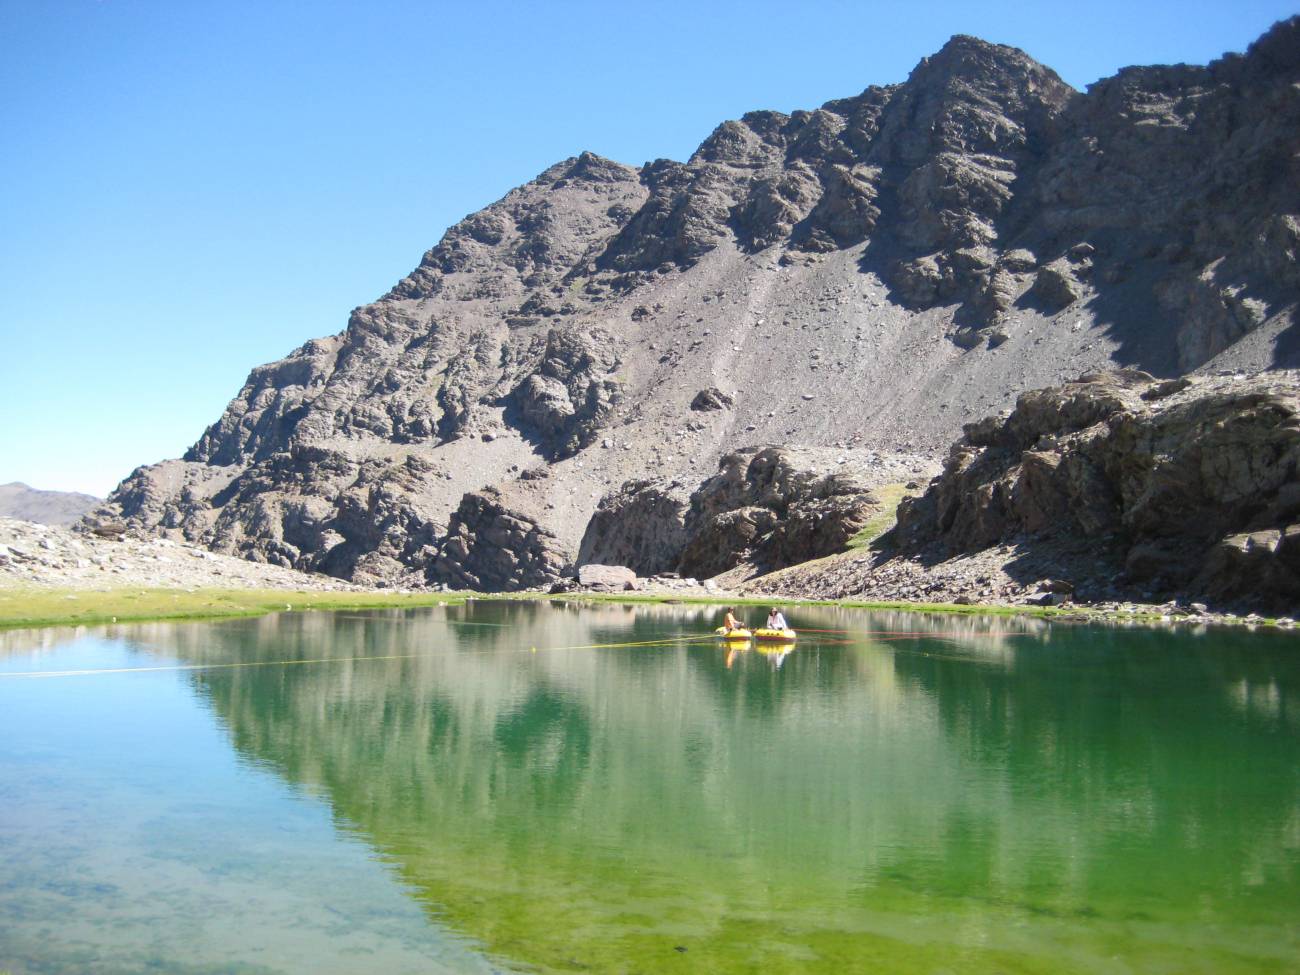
(932,769)
(598,787)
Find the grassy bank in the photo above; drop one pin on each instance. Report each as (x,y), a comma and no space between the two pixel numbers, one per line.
(25,607)
(31,606)
(766,601)
(890,497)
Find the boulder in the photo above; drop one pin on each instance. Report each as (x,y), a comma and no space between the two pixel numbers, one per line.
(712,399)
(1056,286)
(606,578)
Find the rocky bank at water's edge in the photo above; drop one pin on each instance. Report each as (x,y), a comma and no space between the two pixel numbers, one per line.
(1115,487)
(1114,491)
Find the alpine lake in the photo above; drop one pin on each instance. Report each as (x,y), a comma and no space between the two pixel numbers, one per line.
(603,788)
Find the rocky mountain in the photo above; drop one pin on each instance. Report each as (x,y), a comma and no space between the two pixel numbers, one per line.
(64,508)
(869,275)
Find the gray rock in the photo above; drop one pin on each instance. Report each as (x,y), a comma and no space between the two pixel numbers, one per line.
(491,548)
(1056,286)
(641,525)
(568,397)
(1018,260)
(1191,489)
(712,399)
(609,578)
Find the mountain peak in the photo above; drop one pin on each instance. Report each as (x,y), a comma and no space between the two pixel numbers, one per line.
(590,166)
(986,64)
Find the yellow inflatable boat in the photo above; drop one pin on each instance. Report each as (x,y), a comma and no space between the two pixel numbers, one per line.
(737,635)
(775,636)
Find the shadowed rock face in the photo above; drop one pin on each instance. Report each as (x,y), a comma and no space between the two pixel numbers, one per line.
(641,525)
(768,507)
(771,507)
(1183,486)
(490,548)
(873,273)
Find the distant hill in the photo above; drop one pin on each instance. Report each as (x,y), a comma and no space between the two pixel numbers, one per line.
(17,500)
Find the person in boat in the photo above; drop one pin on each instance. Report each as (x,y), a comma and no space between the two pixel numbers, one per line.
(775,621)
(731,623)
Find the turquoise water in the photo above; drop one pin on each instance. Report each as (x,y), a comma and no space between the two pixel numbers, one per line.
(535,787)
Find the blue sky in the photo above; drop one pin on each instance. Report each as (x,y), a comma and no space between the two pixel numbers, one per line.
(190,188)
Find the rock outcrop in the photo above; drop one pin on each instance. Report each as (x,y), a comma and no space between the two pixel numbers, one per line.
(1182,488)
(490,548)
(771,507)
(569,394)
(872,274)
(767,507)
(642,525)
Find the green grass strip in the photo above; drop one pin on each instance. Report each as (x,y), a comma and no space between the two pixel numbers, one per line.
(32,606)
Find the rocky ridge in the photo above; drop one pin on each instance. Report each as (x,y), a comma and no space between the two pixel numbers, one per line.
(868,275)
(17,500)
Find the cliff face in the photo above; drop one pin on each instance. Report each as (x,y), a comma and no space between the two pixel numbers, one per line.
(870,274)
(1183,485)
(766,508)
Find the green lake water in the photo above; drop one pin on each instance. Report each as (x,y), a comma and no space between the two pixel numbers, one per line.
(507,787)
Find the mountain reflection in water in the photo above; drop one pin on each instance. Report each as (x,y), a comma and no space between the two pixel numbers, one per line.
(607,788)
(909,791)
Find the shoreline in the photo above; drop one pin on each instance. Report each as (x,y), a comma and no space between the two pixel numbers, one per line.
(55,577)
(40,607)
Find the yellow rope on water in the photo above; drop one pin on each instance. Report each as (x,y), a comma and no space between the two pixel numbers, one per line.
(672,641)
